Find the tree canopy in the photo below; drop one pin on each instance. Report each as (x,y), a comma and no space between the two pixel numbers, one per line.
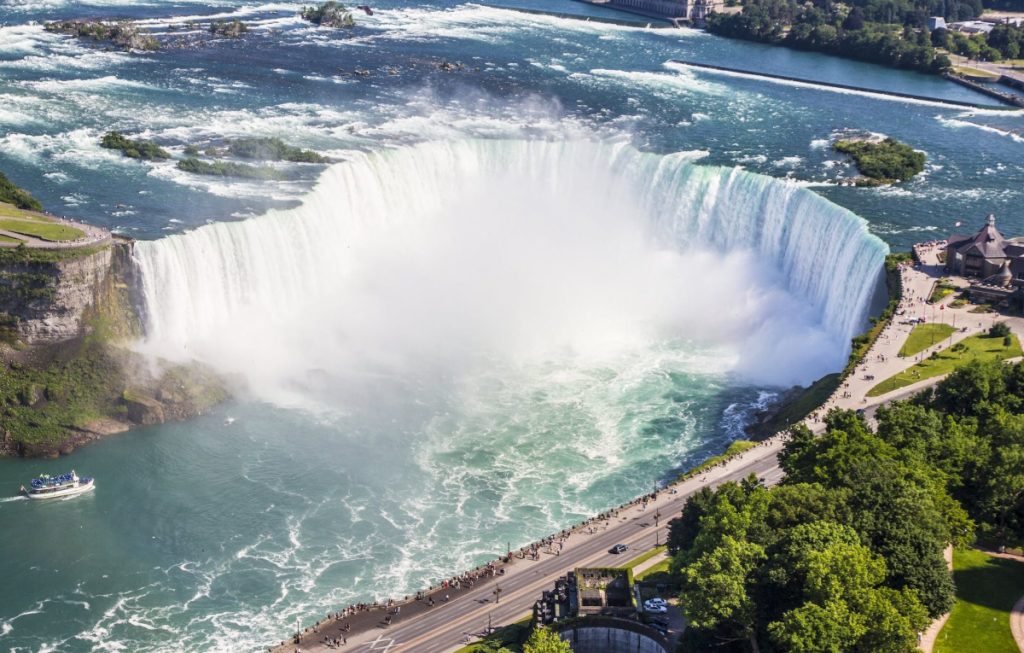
(546,641)
(845,555)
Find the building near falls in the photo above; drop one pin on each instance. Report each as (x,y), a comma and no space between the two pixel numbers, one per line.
(599,610)
(993,262)
(678,12)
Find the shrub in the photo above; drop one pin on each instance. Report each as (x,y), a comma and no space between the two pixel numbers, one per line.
(134,149)
(329,14)
(229,28)
(999,330)
(229,169)
(272,149)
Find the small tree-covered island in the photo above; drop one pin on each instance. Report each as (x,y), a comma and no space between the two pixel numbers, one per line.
(883,161)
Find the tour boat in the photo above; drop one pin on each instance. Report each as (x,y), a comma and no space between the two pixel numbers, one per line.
(56,487)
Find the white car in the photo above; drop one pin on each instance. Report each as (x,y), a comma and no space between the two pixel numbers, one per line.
(655,606)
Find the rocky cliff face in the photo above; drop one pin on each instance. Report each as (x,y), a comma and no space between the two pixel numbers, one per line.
(46,300)
(67,373)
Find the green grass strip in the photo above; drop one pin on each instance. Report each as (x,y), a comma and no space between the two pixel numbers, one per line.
(735,449)
(660,568)
(511,637)
(640,559)
(43,230)
(986,589)
(924,336)
(979,347)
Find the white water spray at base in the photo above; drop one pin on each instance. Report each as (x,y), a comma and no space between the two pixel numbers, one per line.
(447,257)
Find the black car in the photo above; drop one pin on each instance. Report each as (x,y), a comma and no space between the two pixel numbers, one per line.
(618,548)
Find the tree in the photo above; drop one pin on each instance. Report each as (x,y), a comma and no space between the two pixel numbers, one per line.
(969,389)
(854,20)
(17,196)
(546,641)
(715,587)
(999,330)
(683,529)
(846,607)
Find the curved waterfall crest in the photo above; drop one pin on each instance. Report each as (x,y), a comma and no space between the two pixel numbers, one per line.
(267,266)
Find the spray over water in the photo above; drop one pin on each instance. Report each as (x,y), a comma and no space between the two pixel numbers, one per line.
(435,261)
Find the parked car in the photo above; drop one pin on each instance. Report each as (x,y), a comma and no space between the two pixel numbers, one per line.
(655,608)
(618,548)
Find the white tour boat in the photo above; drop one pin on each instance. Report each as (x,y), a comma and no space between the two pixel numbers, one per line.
(56,487)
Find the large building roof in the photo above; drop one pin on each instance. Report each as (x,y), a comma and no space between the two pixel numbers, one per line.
(988,242)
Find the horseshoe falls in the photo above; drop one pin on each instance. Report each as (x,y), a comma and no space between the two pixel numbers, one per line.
(444,257)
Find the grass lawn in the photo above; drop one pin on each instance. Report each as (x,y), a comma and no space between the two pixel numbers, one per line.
(511,637)
(45,230)
(805,403)
(986,589)
(978,347)
(660,568)
(632,564)
(975,72)
(735,449)
(941,291)
(11,211)
(924,336)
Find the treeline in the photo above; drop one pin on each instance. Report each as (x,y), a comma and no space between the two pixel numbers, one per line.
(846,553)
(19,197)
(1003,42)
(832,28)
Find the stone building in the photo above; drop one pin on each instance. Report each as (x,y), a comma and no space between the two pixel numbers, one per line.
(983,254)
(996,264)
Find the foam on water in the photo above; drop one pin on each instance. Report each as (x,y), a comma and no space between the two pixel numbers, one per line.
(961,124)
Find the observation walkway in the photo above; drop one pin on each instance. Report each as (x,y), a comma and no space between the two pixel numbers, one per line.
(843,87)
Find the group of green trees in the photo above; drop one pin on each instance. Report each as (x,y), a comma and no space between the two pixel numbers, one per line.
(833,28)
(1003,42)
(887,160)
(134,148)
(272,149)
(846,553)
(19,197)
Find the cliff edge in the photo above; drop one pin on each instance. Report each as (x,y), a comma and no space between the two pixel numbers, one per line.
(68,374)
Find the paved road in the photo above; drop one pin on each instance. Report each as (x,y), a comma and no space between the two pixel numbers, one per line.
(445,626)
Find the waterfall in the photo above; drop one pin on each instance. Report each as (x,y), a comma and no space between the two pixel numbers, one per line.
(211,284)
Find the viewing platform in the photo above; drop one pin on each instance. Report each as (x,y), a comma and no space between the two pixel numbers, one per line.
(35,230)
(844,87)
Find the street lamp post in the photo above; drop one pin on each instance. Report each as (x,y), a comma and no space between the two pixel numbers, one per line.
(497,594)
